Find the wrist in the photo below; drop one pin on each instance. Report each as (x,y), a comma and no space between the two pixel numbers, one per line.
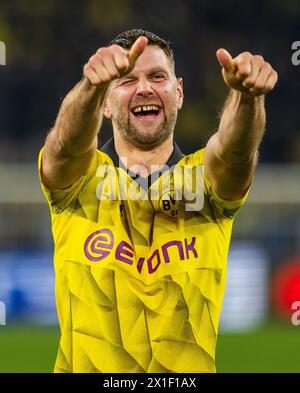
(244,97)
(87,85)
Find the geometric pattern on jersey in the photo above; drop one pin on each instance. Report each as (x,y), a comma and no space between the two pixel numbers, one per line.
(137,289)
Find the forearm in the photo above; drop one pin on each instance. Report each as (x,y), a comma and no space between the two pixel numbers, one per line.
(241,128)
(232,152)
(78,121)
(72,143)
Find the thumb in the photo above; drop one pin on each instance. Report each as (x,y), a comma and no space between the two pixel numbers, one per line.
(137,49)
(225,60)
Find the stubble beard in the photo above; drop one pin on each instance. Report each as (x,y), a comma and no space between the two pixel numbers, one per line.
(145,141)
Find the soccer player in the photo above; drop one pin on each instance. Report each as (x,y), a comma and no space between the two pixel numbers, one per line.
(140,270)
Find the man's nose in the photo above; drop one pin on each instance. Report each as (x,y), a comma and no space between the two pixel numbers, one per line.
(144,88)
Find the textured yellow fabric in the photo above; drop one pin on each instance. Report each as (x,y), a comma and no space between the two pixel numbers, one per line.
(137,289)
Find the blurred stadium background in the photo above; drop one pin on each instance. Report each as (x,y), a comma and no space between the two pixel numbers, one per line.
(47,43)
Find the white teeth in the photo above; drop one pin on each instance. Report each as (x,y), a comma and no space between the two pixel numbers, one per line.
(145,108)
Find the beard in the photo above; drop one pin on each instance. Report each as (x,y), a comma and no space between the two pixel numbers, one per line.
(145,141)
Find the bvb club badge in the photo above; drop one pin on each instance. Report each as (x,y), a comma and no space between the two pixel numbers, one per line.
(168,204)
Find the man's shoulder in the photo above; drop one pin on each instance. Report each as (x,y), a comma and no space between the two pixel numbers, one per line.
(102,157)
(195,158)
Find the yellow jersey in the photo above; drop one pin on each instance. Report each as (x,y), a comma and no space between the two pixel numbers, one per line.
(139,281)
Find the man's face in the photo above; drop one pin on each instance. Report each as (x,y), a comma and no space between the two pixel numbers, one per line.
(143,105)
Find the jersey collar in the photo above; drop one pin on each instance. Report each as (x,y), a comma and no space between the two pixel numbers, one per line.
(145,182)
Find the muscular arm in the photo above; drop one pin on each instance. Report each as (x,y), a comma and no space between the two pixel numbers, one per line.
(232,152)
(72,143)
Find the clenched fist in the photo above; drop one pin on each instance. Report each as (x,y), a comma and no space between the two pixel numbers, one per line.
(248,73)
(113,62)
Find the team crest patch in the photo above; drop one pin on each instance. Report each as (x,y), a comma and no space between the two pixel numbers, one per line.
(168,204)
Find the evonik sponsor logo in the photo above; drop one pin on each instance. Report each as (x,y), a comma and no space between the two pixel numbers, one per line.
(99,245)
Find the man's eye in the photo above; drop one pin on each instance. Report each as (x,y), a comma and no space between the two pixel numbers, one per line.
(157,76)
(126,81)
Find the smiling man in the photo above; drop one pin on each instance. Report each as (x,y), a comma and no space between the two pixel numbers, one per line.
(140,275)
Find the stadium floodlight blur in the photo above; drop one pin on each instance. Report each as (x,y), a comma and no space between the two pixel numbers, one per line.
(245,305)
(27,288)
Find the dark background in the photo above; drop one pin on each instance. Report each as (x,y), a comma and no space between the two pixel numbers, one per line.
(48,43)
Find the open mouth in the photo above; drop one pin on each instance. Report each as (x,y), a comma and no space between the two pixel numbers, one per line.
(146,112)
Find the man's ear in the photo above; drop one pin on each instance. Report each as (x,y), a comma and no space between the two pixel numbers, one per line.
(107,111)
(179,91)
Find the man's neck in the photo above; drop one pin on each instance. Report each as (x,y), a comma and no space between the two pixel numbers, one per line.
(143,161)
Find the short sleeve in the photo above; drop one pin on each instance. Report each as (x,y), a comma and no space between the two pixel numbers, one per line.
(222,207)
(61,199)
(225,208)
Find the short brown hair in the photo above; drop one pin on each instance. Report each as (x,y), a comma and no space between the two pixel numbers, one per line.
(127,38)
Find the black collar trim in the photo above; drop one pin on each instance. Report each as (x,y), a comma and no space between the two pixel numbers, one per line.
(145,182)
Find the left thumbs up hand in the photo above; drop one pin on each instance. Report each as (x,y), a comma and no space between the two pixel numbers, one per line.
(248,73)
